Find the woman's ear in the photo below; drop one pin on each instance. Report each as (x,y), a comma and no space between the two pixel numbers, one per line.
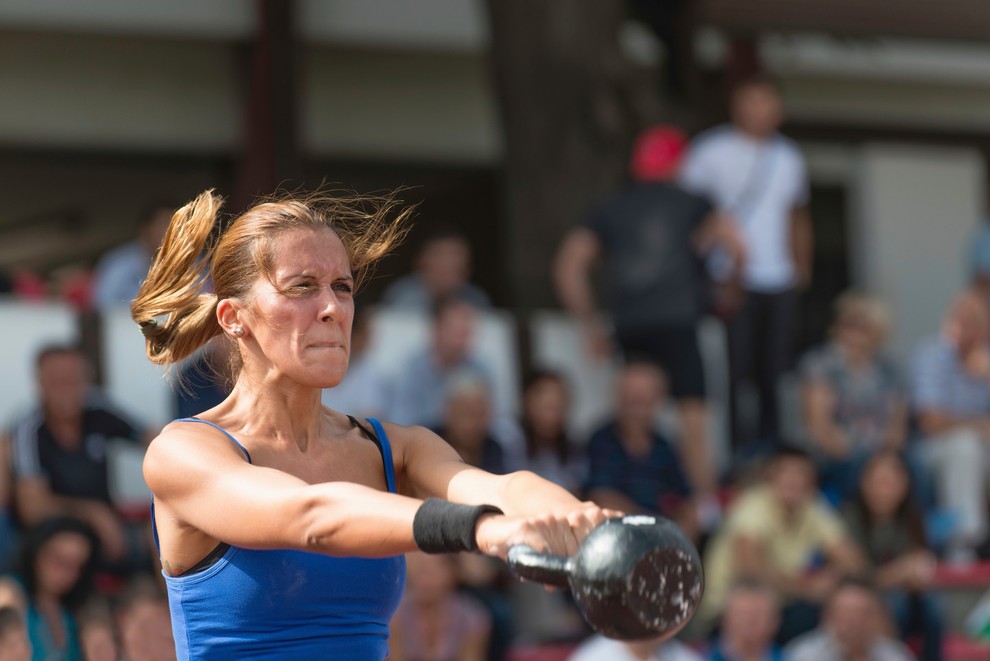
(229,317)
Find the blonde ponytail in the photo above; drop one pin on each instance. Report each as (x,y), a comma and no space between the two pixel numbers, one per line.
(175,315)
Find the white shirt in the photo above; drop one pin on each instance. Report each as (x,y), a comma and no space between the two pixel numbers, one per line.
(599,648)
(759,183)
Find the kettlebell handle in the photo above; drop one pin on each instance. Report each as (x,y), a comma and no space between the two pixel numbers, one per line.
(547,568)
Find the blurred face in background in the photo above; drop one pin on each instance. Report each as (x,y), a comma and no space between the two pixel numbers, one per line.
(884,484)
(545,406)
(15,644)
(854,618)
(967,325)
(60,563)
(467,417)
(757,109)
(453,332)
(861,326)
(146,631)
(639,396)
(444,265)
(792,480)
(63,379)
(751,618)
(98,642)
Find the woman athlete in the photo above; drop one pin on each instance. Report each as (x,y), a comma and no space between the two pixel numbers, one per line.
(282,523)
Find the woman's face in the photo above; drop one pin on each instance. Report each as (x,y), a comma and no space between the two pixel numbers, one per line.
(299,319)
(885,485)
(61,561)
(545,405)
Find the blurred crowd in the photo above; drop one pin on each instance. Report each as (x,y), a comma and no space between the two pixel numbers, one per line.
(821,544)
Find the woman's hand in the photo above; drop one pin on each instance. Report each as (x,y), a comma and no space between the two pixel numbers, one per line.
(559,533)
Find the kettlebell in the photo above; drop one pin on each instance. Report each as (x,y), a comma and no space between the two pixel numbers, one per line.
(633,578)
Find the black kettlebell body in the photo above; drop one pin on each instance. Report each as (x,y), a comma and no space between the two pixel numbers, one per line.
(633,578)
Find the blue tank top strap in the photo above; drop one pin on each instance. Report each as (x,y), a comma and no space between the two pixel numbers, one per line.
(386,453)
(224,431)
(154,525)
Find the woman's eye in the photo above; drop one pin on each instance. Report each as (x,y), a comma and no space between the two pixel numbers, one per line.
(343,287)
(303,288)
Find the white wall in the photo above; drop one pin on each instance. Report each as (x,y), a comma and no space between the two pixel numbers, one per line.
(81,91)
(431,24)
(24,329)
(411,105)
(913,211)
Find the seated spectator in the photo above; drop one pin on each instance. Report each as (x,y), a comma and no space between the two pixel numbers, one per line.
(549,450)
(60,456)
(854,404)
(7,538)
(631,466)
(441,269)
(97,636)
(53,578)
(144,623)
(780,533)
(542,615)
(434,621)
(364,392)
(121,271)
(421,387)
(466,423)
(204,381)
(599,648)
(952,401)
(852,629)
(14,642)
(889,531)
(749,624)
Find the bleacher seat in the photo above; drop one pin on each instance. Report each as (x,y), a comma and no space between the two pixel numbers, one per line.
(24,329)
(132,382)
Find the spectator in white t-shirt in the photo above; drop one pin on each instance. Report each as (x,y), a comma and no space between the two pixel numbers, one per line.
(757,177)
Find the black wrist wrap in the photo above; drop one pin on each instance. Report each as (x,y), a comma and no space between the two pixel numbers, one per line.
(441,526)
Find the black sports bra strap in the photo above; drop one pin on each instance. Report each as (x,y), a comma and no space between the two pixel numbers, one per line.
(374,438)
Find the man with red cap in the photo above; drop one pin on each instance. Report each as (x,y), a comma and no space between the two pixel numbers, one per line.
(651,237)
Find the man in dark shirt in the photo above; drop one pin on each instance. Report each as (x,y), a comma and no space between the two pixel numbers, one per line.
(631,467)
(60,452)
(652,235)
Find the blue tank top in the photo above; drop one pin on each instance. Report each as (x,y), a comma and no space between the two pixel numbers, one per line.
(288,605)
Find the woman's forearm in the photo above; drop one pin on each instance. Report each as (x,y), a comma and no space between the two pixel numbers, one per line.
(525,493)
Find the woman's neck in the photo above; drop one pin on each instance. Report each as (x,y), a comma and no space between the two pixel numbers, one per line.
(276,411)
(743,652)
(50,609)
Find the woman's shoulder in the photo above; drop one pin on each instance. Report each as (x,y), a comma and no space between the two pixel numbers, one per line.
(184,444)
